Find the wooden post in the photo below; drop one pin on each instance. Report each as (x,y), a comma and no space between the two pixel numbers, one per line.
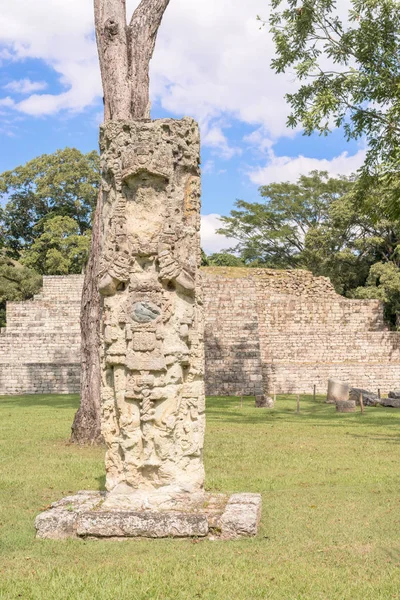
(315,393)
(379,393)
(362,404)
(298,404)
(241,400)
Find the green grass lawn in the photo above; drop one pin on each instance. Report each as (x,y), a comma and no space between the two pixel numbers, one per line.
(331,508)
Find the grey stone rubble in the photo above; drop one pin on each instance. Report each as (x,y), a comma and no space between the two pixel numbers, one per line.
(264,402)
(83,516)
(345,406)
(372,399)
(369,398)
(390,402)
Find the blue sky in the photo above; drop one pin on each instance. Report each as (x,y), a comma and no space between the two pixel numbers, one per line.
(211,62)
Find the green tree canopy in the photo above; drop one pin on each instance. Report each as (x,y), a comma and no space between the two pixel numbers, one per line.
(316,224)
(225,259)
(61,184)
(349,69)
(16,283)
(60,249)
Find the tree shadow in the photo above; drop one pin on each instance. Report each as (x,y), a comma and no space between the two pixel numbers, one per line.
(67,401)
(314,413)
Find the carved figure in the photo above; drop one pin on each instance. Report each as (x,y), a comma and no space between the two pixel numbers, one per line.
(152,329)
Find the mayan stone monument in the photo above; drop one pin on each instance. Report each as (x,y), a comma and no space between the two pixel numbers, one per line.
(153,350)
(153,403)
(152,322)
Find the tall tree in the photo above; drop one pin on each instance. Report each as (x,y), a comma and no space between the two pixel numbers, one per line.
(125,50)
(62,184)
(348,65)
(16,283)
(318,224)
(60,249)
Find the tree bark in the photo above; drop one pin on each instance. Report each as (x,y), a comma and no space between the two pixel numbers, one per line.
(143,30)
(86,427)
(125,52)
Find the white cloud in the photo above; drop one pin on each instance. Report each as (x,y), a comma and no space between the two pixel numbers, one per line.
(7,102)
(259,140)
(286,168)
(213,137)
(211,59)
(61,34)
(210,240)
(25,86)
(211,62)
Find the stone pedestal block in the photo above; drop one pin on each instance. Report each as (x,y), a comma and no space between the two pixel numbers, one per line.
(213,516)
(345,406)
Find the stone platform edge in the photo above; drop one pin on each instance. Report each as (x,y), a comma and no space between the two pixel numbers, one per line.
(80,516)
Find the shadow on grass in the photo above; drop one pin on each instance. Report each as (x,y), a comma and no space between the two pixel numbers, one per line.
(29,401)
(392,439)
(101,483)
(315,413)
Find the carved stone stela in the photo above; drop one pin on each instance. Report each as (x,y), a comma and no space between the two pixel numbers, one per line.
(152,332)
(153,405)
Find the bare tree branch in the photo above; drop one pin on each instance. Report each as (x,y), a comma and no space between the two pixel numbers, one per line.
(125,53)
(143,30)
(112,43)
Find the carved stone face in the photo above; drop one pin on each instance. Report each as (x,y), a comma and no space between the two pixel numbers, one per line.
(145,194)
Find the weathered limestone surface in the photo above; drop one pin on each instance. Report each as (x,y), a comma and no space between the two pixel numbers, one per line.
(218,516)
(241,516)
(60,521)
(338,391)
(345,406)
(142,524)
(153,358)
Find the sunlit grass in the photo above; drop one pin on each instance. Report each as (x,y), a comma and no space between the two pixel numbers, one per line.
(331,508)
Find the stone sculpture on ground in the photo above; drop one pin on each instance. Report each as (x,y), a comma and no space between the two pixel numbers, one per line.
(369,398)
(153,350)
(338,391)
(152,356)
(153,400)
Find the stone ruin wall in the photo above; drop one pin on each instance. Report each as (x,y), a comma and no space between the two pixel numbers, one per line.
(265,329)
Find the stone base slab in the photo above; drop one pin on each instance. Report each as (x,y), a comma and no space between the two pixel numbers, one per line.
(83,516)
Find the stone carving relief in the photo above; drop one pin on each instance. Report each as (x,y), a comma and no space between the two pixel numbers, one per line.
(152,328)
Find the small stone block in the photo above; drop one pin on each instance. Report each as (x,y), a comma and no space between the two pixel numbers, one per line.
(264,402)
(59,522)
(141,524)
(241,516)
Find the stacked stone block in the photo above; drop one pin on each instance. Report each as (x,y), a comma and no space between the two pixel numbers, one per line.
(40,347)
(264,330)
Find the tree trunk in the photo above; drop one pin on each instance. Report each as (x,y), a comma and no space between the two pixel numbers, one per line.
(124,53)
(86,426)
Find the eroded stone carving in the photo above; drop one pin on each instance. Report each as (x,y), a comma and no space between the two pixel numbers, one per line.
(152,330)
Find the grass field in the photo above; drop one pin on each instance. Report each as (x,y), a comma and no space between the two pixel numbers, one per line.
(331,508)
